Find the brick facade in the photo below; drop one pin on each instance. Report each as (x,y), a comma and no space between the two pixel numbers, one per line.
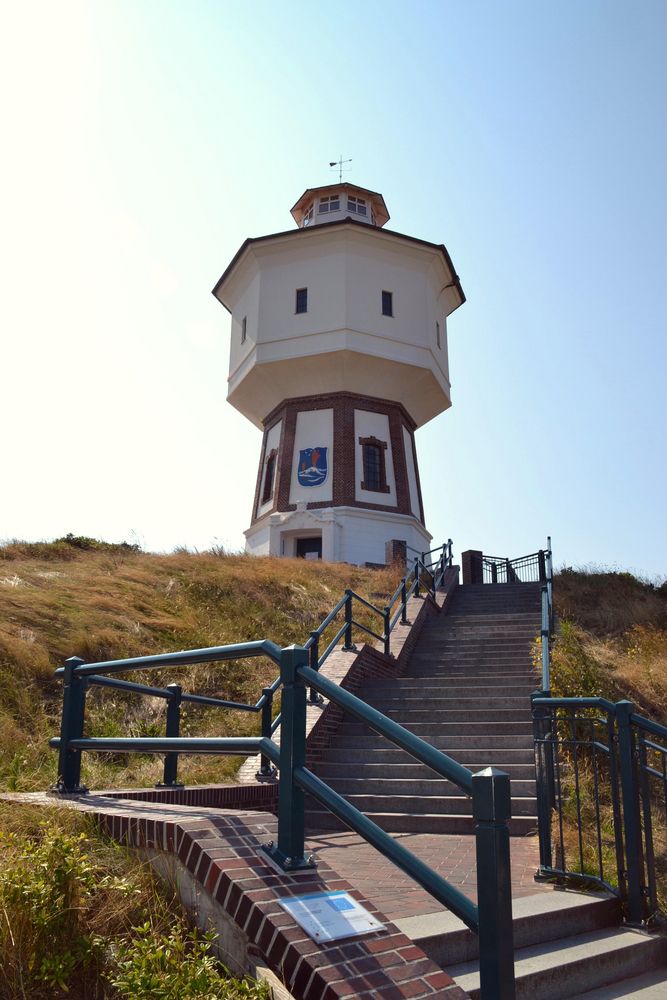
(343,405)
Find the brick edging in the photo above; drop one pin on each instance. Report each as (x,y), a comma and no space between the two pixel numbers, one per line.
(222,854)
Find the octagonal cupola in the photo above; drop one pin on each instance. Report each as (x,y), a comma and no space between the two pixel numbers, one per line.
(334,202)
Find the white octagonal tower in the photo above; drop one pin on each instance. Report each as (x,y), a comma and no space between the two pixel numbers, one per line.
(338,353)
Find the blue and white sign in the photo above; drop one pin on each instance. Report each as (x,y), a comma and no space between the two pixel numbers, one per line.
(328,916)
(313,468)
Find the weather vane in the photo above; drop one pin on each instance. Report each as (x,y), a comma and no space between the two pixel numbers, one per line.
(339,163)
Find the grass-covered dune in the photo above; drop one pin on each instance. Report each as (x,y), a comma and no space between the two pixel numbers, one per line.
(79,597)
(612,638)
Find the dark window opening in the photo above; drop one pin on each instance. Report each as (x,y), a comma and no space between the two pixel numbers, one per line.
(437,333)
(374,465)
(269,471)
(387,304)
(244,328)
(309,548)
(302,300)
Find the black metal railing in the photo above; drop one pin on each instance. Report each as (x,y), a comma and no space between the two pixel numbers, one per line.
(524,569)
(490,917)
(602,799)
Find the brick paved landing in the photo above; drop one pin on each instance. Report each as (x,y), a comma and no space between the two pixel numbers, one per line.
(452,856)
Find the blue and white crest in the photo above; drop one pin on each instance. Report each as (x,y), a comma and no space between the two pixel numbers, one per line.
(313,467)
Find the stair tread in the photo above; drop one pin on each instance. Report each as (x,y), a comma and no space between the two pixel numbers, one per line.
(542,958)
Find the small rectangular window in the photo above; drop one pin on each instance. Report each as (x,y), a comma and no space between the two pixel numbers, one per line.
(329,203)
(437,334)
(387,304)
(302,300)
(244,329)
(356,205)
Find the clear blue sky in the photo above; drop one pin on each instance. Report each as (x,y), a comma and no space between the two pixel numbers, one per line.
(144,140)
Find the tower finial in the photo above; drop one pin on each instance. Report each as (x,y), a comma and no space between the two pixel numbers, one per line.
(339,163)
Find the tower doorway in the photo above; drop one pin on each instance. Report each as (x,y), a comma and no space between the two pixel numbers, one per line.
(309,548)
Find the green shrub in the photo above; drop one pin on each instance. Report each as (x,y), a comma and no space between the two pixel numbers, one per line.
(174,966)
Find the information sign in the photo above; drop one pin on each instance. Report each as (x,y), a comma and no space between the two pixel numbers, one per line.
(329,916)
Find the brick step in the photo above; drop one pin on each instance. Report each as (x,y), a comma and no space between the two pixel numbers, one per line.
(405,787)
(443,730)
(438,707)
(334,771)
(419,805)
(447,743)
(447,688)
(433,718)
(572,966)
(323,820)
(475,758)
(474,673)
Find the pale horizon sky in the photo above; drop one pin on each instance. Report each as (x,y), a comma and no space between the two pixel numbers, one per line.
(144,140)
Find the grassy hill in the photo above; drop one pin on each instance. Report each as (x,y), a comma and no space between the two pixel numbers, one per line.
(613,639)
(78,597)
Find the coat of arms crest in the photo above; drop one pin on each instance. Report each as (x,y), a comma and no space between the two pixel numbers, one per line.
(313,467)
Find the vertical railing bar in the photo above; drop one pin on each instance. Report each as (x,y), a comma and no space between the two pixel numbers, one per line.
(172,730)
(596,788)
(559,786)
(577,794)
(645,796)
(631,817)
(616,806)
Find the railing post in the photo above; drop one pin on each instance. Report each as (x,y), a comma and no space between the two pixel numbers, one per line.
(545,635)
(544,773)
(404,603)
(348,645)
(386,616)
(449,551)
(289,852)
(173,729)
(417,576)
(265,769)
(491,807)
(542,567)
(314,659)
(71,728)
(634,859)
(494,573)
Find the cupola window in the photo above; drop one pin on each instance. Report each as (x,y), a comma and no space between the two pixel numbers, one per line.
(301,300)
(387,304)
(244,329)
(357,205)
(308,215)
(329,203)
(437,335)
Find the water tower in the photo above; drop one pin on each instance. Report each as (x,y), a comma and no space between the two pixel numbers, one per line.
(338,354)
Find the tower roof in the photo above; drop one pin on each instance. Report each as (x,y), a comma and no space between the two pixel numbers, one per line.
(378,205)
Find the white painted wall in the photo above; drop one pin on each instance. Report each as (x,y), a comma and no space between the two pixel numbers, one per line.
(314,429)
(367,424)
(272,441)
(412,472)
(349,534)
(345,271)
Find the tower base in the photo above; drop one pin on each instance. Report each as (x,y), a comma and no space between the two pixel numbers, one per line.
(336,534)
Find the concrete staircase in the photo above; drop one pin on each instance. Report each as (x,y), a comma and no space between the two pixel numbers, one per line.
(467,692)
(567,945)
